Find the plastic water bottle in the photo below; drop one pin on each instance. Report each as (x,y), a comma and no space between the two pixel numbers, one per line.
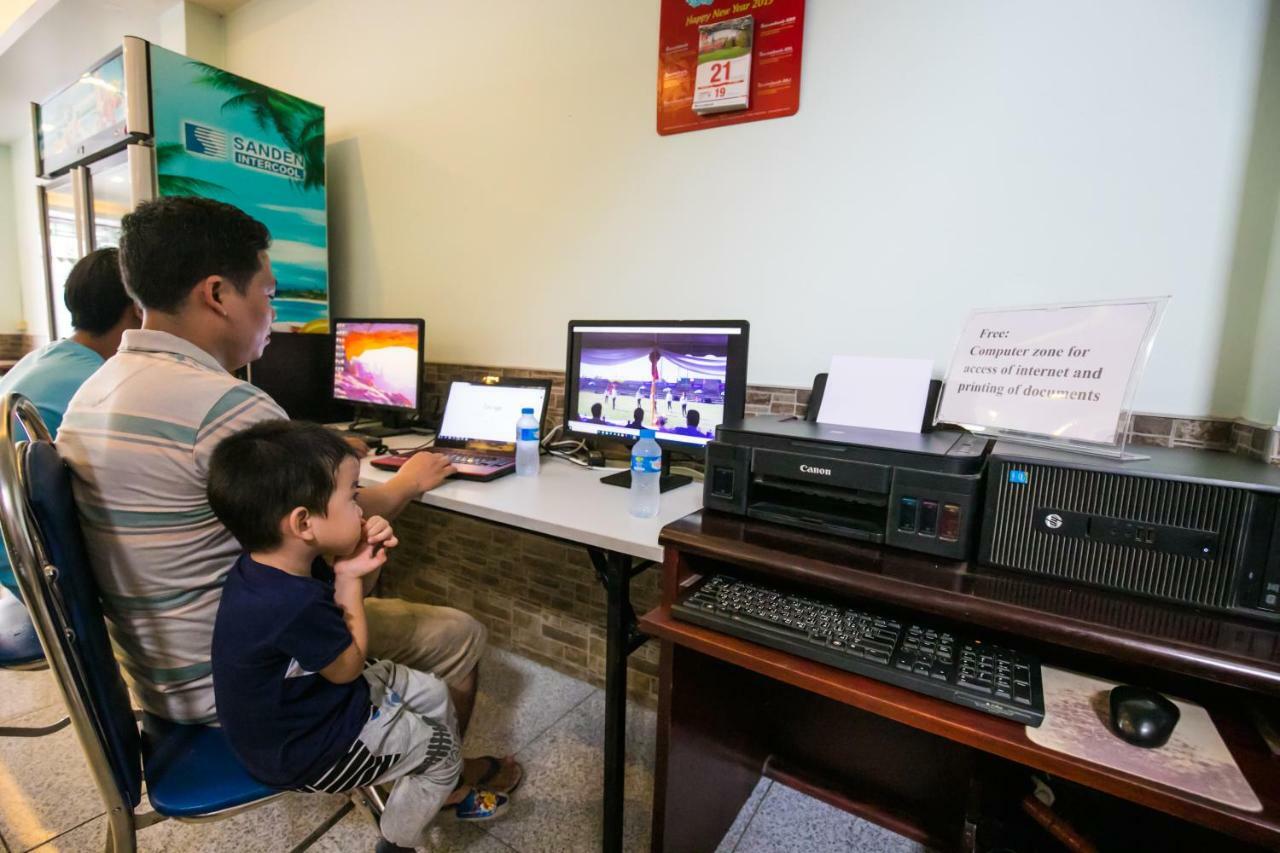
(527,444)
(646,471)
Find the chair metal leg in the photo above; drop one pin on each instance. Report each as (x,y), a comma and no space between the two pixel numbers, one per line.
(320,830)
(372,800)
(121,834)
(37,731)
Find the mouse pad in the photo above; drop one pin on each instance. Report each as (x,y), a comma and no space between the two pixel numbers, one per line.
(1195,760)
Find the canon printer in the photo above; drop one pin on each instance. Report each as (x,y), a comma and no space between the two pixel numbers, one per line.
(919,491)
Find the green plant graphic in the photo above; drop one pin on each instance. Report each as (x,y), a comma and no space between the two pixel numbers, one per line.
(169,153)
(300,123)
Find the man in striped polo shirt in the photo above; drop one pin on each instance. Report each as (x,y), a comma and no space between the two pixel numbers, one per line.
(138,436)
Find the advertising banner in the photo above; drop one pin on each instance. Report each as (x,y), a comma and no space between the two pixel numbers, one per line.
(84,118)
(223,137)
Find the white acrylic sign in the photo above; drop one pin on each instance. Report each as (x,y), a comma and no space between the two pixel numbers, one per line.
(1065,372)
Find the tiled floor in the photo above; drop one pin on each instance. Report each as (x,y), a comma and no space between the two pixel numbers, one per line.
(552,722)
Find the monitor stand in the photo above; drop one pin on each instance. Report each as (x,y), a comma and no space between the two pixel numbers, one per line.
(666,482)
(393,423)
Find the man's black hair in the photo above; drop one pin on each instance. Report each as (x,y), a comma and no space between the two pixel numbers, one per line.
(169,244)
(692,418)
(596,410)
(258,476)
(94,293)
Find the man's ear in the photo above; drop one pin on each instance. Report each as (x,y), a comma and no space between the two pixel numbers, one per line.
(298,524)
(211,291)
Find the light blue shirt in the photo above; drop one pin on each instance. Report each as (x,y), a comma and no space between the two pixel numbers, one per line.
(49,377)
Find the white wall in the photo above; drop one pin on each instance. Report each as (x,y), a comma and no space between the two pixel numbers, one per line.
(1262,405)
(30,289)
(494,168)
(1258,241)
(11,307)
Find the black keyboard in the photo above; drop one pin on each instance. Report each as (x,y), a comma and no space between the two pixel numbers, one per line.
(917,656)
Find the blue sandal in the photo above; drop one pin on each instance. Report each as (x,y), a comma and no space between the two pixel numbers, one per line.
(480,804)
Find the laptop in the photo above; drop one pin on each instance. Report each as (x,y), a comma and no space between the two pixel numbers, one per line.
(478,431)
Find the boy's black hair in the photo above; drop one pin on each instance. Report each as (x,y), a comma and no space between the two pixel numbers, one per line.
(258,476)
(693,418)
(94,292)
(169,244)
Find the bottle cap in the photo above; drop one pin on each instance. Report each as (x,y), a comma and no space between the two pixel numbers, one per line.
(648,433)
(526,411)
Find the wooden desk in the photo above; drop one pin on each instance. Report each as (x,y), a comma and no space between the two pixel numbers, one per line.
(731,710)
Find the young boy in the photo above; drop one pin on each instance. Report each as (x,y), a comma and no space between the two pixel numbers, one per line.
(298,705)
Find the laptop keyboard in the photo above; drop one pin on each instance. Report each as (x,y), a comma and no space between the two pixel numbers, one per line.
(462,458)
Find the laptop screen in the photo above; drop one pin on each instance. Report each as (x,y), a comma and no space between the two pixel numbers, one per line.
(487,413)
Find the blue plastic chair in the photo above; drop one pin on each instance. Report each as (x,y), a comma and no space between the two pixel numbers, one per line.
(189,771)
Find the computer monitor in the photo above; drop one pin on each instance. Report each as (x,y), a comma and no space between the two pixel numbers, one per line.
(296,370)
(681,378)
(377,364)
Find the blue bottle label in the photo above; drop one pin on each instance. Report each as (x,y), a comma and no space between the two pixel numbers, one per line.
(527,434)
(646,464)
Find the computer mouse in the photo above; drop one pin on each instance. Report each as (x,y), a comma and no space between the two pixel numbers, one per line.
(1142,716)
(381,450)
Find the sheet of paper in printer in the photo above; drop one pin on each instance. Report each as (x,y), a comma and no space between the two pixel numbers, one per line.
(876,393)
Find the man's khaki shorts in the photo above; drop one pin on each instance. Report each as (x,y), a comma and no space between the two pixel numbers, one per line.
(440,640)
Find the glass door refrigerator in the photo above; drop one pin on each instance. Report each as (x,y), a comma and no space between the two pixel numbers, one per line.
(93,164)
(145,121)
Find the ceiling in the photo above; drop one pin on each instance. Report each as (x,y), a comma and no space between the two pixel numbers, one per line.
(17,16)
(48,43)
(222,7)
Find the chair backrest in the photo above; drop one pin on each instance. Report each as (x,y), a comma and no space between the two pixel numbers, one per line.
(46,547)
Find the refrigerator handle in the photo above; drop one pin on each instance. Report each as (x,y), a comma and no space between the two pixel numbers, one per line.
(137,87)
(42,202)
(36,147)
(142,174)
(82,199)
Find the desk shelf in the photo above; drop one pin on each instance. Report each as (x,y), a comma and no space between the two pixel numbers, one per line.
(1000,737)
(1129,630)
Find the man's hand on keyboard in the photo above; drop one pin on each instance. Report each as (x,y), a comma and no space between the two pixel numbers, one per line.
(427,470)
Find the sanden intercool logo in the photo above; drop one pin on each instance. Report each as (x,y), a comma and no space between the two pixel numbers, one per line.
(249,153)
(265,157)
(205,141)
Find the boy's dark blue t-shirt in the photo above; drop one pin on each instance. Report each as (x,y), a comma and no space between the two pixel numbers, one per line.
(274,633)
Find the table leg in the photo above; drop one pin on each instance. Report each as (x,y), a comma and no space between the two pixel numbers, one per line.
(622,637)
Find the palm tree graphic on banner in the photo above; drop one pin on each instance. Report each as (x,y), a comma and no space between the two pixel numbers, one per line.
(299,123)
